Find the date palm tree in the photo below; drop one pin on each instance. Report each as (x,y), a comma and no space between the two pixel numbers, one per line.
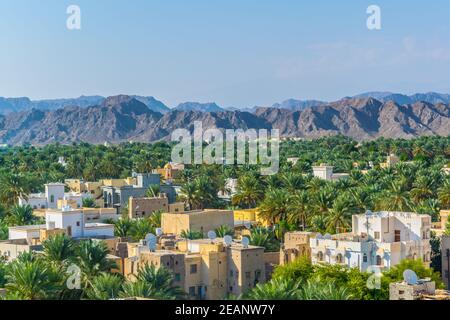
(92,260)
(298,211)
(105,286)
(248,192)
(32,280)
(13,186)
(276,289)
(160,282)
(274,207)
(21,215)
(444,193)
(59,248)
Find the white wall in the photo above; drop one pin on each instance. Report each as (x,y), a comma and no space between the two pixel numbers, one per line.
(63,220)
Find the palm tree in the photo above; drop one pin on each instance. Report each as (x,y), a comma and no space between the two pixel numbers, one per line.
(13,186)
(153,191)
(422,189)
(142,227)
(444,193)
(396,198)
(105,286)
(92,260)
(262,237)
(292,181)
(274,207)
(155,218)
(248,191)
(160,280)
(123,227)
(187,194)
(223,231)
(339,216)
(276,289)
(59,248)
(298,209)
(32,280)
(191,235)
(317,290)
(21,215)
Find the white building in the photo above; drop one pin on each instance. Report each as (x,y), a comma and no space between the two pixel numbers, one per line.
(230,187)
(49,199)
(326,173)
(379,239)
(72,221)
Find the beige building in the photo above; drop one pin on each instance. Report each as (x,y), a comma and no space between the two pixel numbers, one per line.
(11,249)
(391,161)
(200,221)
(144,207)
(204,269)
(405,291)
(325,172)
(296,245)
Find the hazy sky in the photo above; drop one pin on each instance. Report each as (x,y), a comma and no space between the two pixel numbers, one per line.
(236,52)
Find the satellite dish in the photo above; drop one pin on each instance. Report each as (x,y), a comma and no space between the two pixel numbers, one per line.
(410,277)
(327,236)
(245,242)
(368,213)
(212,235)
(319,236)
(159,232)
(228,240)
(247,225)
(150,239)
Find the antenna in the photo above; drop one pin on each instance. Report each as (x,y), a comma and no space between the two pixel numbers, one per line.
(410,277)
(228,240)
(159,232)
(245,242)
(150,239)
(212,235)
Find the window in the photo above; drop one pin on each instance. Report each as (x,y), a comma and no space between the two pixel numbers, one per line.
(177,277)
(446,274)
(397,236)
(248,275)
(52,198)
(379,261)
(339,258)
(193,268)
(320,256)
(377,235)
(78,223)
(192,291)
(365,257)
(401,292)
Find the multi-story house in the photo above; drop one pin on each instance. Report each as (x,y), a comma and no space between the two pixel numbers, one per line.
(380,239)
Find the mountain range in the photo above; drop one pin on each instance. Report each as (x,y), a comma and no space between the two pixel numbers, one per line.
(130,118)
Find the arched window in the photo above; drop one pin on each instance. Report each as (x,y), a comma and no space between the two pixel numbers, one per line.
(320,256)
(379,261)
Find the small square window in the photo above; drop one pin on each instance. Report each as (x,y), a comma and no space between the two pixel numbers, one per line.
(193,268)
(177,277)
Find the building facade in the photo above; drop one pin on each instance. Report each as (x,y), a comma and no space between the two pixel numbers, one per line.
(380,239)
(199,221)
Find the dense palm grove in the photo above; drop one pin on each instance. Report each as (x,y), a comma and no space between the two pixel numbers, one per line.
(291,200)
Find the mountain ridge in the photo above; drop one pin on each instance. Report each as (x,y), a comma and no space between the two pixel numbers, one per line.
(124,118)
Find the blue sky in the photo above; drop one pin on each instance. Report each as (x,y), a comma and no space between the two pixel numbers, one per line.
(236,53)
